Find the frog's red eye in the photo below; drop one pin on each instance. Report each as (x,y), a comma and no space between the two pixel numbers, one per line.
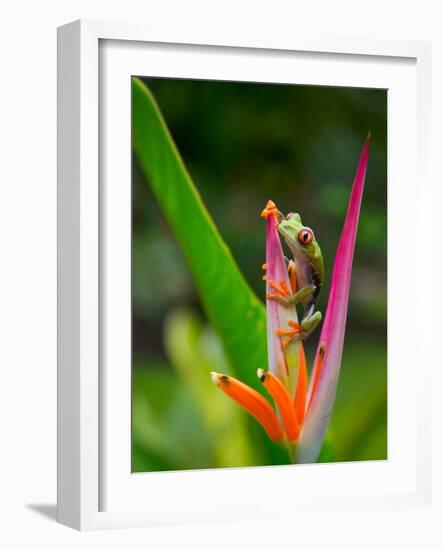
(305,236)
(289,215)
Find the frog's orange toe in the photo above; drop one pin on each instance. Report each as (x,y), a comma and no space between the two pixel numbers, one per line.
(281,287)
(290,332)
(271,210)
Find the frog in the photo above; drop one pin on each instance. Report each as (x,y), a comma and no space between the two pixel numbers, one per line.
(308,265)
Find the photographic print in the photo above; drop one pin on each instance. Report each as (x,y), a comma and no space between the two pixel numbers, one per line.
(259,274)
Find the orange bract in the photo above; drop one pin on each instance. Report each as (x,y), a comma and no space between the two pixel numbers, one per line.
(282,399)
(252,401)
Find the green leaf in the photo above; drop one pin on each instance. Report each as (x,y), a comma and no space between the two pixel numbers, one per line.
(232,307)
(327,454)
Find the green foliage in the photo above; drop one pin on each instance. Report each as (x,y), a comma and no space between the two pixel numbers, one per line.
(180,420)
(230,304)
(167,430)
(194,351)
(328,453)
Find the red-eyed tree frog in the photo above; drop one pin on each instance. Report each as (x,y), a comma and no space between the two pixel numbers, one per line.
(309,268)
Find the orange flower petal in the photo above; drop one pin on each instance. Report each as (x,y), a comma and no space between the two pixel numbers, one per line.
(252,401)
(282,399)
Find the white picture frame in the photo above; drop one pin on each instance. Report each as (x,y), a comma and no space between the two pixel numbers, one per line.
(95,488)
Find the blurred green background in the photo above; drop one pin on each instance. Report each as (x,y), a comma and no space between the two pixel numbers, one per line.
(242,144)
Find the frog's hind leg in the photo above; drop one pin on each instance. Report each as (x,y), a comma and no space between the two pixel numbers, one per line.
(308,324)
(291,270)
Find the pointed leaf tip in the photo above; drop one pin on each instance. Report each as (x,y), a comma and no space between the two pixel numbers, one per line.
(333,330)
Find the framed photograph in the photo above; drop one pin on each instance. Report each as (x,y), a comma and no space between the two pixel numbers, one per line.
(234,317)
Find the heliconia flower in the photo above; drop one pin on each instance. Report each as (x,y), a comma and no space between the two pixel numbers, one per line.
(304,408)
(283,353)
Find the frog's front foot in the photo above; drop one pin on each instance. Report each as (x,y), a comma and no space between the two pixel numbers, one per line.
(281,292)
(285,297)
